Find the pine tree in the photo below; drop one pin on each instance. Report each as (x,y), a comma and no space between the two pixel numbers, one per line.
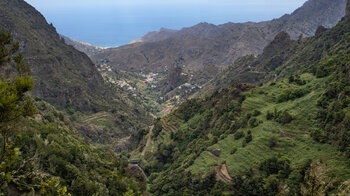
(14,83)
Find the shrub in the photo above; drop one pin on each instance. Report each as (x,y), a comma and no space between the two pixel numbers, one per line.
(272,142)
(296,80)
(256,113)
(253,122)
(247,139)
(269,115)
(233,150)
(284,118)
(291,94)
(157,128)
(238,135)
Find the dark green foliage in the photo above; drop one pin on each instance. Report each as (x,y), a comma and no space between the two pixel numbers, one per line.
(253,122)
(295,79)
(291,94)
(272,142)
(269,115)
(238,135)
(268,179)
(256,113)
(284,117)
(234,150)
(157,128)
(137,137)
(335,113)
(14,103)
(187,110)
(247,138)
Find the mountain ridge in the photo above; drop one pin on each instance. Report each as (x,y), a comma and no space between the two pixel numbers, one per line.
(84,47)
(222,45)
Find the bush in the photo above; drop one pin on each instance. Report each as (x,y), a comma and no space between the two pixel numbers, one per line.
(233,150)
(247,139)
(256,113)
(291,94)
(284,118)
(238,135)
(157,128)
(253,122)
(269,115)
(272,142)
(296,80)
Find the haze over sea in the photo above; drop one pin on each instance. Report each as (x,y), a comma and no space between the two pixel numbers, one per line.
(115,22)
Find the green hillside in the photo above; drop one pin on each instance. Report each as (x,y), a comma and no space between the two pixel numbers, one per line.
(289,135)
(41,153)
(273,124)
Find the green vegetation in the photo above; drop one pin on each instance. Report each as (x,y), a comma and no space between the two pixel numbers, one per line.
(285,134)
(41,153)
(291,94)
(289,136)
(14,103)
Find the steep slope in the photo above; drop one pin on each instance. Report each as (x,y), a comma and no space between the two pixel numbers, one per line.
(41,153)
(62,74)
(67,79)
(46,157)
(206,44)
(288,136)
(253,69)
(82,46)
(289,57)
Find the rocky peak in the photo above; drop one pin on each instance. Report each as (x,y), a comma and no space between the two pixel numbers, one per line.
(281,41)
(347,11)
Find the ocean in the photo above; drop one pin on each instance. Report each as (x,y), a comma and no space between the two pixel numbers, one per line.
(119,25)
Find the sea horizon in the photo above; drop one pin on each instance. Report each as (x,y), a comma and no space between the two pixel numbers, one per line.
(115,26)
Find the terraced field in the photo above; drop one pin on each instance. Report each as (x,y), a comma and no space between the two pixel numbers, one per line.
(293,139)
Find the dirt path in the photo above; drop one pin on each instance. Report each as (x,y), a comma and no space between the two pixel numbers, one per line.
(148,140)
(96,116)
(221,172)
(225,173)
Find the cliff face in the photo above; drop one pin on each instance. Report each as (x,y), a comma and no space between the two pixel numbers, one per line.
(65,77)
(347,12)
(206,44)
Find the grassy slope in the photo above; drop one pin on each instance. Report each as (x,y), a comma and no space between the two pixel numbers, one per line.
(297,144)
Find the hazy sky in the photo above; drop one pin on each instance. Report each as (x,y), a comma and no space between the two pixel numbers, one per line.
(86,3)
(117,22)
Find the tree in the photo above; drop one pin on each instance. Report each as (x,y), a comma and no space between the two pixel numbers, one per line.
(14,83)
(317,181)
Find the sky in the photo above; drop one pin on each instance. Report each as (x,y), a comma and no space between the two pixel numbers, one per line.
(118,22)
